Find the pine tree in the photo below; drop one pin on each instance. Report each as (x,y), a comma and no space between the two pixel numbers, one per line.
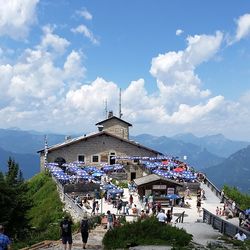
(14,201)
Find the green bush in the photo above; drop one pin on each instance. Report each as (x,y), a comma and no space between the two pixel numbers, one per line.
(46,211)
(123,184)
(146,232)
(241,199)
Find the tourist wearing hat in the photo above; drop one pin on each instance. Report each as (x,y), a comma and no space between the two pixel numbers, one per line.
(85,230)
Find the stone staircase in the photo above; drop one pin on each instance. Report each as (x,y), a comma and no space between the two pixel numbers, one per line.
(94,242)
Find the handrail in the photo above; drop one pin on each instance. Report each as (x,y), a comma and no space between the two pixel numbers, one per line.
(180,218)
(223,226)
(218,193)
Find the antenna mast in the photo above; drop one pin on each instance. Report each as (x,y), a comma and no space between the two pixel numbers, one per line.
(120,103)
(106,108)
(45,150)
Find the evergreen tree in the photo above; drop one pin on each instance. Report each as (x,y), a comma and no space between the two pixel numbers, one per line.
(14,201)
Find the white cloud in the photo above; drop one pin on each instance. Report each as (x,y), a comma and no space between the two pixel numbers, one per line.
(53,41)
(243,27)
(187,114)
(82,29)
(73,67)
(179,32)
(175,71)
(16,17)
(85,14)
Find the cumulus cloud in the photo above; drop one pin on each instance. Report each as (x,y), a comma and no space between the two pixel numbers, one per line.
(243,27)
(83,29)
(178,32)
(85,14)
(16,17)
(175,71)
(53,41)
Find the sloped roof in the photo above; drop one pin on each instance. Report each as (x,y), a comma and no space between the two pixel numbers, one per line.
(113,117)
(82,138)
(151,178)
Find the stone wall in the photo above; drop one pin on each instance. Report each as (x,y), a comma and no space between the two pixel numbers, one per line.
(102,146)
(117,128)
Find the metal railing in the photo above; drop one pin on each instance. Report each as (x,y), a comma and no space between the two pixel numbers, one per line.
(223,226)
(76,207)
(218,194)
(180,218)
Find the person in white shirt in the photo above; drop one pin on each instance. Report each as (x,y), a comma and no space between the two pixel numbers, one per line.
(161,216)
(240,236)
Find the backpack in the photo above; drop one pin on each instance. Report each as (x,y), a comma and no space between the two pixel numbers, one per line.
(84,226)
(65,226)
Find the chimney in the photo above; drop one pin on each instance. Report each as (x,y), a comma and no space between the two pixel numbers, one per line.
(100,128)
(110,114)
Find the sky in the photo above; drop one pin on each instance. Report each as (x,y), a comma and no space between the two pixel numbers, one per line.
(182,66)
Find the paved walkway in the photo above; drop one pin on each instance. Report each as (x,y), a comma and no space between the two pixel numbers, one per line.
(202,232)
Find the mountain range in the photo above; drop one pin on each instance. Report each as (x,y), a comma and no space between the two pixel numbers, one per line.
(234,171)
(209,153)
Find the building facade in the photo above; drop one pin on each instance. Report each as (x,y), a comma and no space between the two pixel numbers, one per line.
(101,147)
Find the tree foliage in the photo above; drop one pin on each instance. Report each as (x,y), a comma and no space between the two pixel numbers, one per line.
(241,199)
(14,201)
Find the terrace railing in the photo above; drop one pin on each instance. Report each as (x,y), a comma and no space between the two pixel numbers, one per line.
(74,206)
(180,218)
(217,192)
(223,226)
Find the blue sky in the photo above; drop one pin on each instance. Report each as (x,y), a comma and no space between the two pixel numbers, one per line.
(183,66)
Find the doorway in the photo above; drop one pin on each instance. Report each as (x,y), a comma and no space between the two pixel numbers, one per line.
(111,159)
(132,176)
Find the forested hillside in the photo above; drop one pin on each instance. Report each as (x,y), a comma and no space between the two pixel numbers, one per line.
(30,210)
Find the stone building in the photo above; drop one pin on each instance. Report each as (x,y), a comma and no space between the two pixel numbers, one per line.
(111,139)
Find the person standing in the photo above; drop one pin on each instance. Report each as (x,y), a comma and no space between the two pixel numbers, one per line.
(66,232)
(161,216)
(110,220)
(4,239)
(198,205)
(93,207)
(131,199)
(169,216)
(84,230)
(222,194)
(97,207)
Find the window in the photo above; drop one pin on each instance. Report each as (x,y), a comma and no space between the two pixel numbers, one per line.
(81,158)
(95,158)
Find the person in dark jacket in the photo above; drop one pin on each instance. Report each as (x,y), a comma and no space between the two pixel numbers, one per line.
(85,230)
(66,232)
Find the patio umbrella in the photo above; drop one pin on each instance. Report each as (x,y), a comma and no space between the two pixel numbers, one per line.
(173,196)
(178,169)
(108,186)
(115,191)
(97,174)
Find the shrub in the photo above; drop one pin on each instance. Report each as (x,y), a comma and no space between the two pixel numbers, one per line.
(146,232)
(241,199)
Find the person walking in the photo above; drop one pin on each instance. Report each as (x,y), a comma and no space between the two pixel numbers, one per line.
(4,239)
(66,232)
(84,230)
